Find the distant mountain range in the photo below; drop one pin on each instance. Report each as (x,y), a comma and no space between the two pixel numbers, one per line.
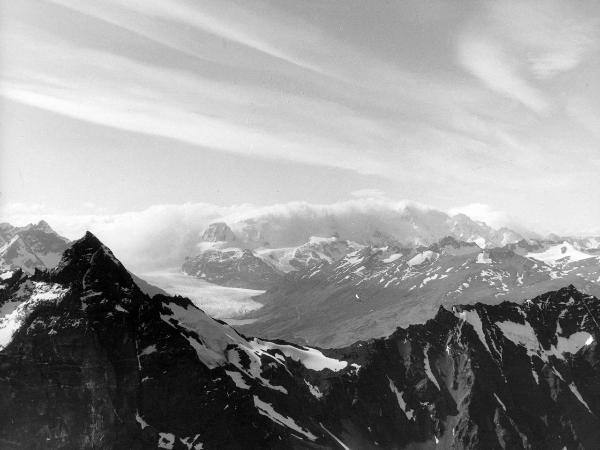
(369,223)
(371,291)
(256,252)
(370,288)
(88,361)
(373,284)
(35,246)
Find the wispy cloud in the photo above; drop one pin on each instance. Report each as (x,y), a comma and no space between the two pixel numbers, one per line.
(227,21)
(123,93)
(513,46)
(443,108)
(489,62)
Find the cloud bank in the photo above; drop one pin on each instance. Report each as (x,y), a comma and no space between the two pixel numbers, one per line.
(163,235)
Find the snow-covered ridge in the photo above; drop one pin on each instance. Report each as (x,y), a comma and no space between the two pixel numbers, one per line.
(212,341)
(27,298)
(208,337)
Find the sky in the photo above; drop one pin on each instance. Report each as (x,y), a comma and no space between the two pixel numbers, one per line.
(120,107)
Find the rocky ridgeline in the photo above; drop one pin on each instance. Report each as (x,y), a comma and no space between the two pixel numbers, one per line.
(87,360)
(34,246)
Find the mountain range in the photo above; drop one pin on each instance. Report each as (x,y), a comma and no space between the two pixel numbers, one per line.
(372,286)
(87,360)
(369,292)
(234,253)
(30,247)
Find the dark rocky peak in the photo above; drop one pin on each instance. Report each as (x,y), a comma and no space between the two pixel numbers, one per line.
(568,295)
(81,251)
(218,232)
(91,265)
(565,303)
(555,322)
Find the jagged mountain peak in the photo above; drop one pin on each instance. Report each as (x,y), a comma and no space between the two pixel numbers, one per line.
(83,248)
(86,259)
(218,232)
(41,226)
(31,247)
(162,374)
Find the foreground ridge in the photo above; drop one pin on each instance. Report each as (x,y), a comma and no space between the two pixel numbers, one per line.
(87,360)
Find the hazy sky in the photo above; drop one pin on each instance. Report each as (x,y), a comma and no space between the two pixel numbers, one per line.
(117,105)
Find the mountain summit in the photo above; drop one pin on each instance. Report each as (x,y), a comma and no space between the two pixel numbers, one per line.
(87,360)
(34,246)
(218,232)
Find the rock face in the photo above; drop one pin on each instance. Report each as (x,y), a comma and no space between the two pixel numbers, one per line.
(371,291)
(218,232)
(30,247)
(88,361)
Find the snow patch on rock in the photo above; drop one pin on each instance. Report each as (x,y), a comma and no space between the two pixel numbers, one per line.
(309,357)
(15,313)
(266,409)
